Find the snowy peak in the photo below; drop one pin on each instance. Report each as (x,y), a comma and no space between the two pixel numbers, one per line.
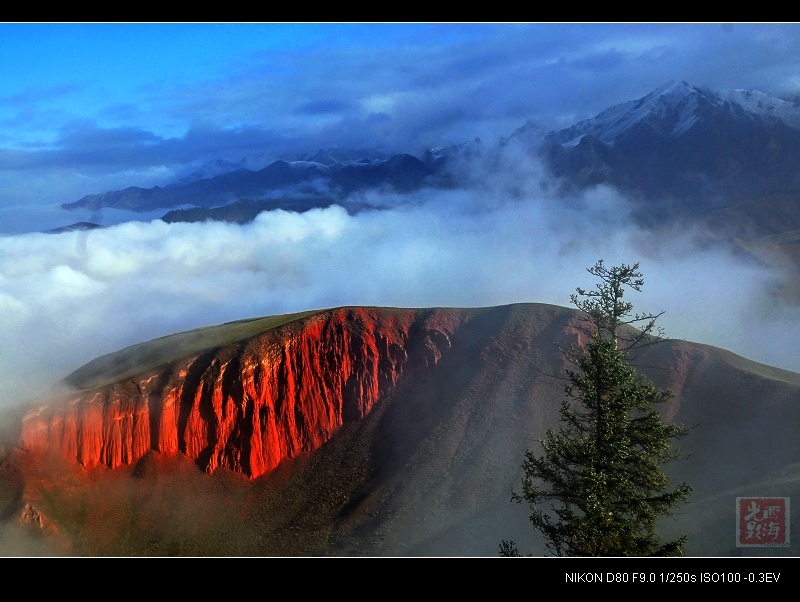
(674,109)
(682,142)
(669,110)
(764,106)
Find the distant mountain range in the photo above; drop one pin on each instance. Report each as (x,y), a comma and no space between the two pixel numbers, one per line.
(310,179)
(726,163)
(680,152)
(706,149)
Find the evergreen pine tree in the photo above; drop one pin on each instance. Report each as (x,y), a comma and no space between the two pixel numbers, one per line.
(598,489)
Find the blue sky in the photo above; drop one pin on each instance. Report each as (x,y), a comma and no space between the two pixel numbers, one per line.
(89,107)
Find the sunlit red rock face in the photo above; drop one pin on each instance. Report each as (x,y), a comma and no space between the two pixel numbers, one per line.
(251,404)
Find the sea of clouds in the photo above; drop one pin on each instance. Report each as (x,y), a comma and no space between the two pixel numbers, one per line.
(68,298)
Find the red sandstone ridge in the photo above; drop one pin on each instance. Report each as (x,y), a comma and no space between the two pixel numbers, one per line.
(246,404)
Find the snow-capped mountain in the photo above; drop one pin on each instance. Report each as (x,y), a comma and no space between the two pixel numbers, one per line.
(674,109)
(682,147)
(680,143)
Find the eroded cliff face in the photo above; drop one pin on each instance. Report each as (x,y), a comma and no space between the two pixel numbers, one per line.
(248,405)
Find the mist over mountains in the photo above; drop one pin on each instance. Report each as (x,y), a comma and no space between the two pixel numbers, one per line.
(699,187)
(679,149)
(723,162)
(472,225)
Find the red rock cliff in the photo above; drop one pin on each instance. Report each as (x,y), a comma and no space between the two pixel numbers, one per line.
(248,405)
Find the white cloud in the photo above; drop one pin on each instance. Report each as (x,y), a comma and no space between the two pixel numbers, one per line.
(70,297)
